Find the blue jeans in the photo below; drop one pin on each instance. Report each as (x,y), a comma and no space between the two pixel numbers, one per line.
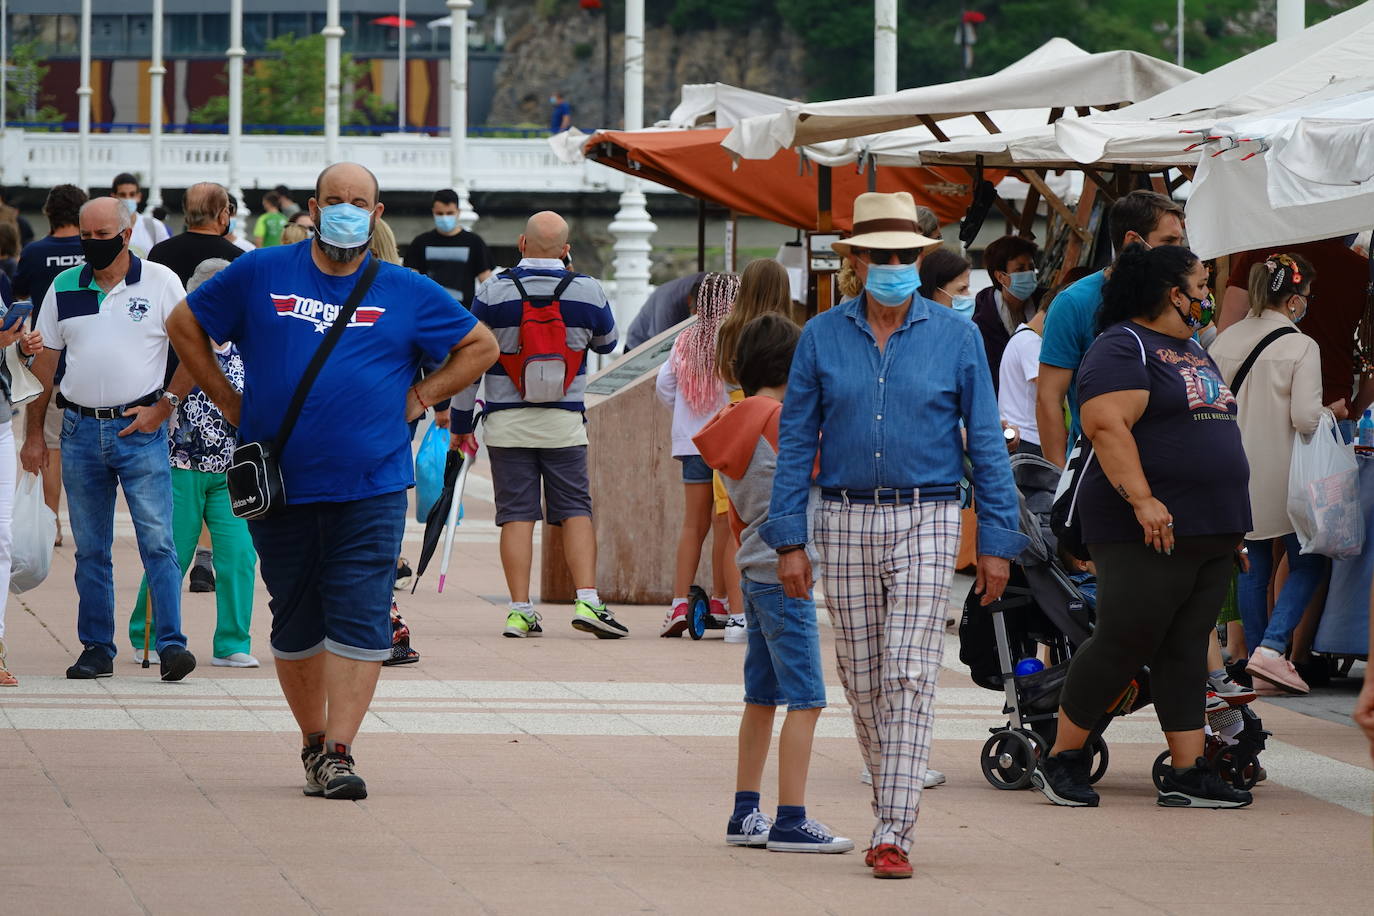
(782,662)
(96,459)
(330,569)
(1305,573)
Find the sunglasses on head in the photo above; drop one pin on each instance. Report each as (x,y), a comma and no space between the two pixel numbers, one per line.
(884,255)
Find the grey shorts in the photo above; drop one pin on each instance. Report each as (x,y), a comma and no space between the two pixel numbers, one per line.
(516,474)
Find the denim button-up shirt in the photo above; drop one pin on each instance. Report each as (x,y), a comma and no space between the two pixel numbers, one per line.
(892,418)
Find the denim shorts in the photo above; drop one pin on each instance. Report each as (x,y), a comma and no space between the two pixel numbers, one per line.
(695,469)
(782,663)
(329,569)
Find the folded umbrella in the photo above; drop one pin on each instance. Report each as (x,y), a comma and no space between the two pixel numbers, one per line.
(444,514)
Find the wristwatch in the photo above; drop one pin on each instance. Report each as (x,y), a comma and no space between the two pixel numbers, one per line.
(176,401)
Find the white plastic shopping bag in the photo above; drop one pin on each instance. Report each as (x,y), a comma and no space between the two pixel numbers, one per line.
(1324,493)
(35,529)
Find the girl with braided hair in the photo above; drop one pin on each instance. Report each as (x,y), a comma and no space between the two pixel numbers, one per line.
(1279,396)
(689,384)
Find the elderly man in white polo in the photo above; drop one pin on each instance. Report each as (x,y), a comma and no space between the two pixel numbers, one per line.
(110,316)
(886,385)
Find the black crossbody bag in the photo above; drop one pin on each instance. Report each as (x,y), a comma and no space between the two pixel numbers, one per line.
(254,478)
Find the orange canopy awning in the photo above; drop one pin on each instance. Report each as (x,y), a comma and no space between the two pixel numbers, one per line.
(777,189)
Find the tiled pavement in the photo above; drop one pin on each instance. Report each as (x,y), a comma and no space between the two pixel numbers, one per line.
(570,775)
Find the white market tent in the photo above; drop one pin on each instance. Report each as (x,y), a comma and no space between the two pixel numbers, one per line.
(1283,178)
(1057,78)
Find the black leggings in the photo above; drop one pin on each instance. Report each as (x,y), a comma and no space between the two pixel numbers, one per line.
(1152,609)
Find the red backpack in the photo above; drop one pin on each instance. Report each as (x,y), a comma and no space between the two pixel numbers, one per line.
(543,367)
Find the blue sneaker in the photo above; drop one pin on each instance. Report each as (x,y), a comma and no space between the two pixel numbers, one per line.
(750,830)
(810,836)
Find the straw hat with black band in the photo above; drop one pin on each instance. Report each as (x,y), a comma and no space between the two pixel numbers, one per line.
(886,222)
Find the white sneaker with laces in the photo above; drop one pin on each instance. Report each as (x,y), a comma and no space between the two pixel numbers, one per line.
(735,630)
(933,778)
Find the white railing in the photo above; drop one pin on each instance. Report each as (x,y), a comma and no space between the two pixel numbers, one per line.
(406,162)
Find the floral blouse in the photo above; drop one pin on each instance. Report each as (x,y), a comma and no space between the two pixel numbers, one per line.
(200,438)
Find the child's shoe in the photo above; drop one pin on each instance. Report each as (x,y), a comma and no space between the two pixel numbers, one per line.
(735,629)
(720,612)
(888,861)
(675,623)
(809,836)
(750,830)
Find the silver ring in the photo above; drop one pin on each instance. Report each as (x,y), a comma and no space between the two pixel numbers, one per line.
(1169,525)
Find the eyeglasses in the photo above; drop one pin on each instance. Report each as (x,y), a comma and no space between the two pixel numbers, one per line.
(885,255)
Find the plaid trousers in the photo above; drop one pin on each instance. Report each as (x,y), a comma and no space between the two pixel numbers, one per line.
(887,574)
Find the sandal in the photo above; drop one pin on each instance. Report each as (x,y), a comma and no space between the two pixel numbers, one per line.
(6,678)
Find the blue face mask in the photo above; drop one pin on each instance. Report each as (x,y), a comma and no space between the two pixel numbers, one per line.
(345,226)
(891,285)
(1022,284)
(446,222)
(131,203)
(962,305)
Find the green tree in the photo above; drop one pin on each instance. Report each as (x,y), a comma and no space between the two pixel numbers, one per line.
(24,83)
(288,88)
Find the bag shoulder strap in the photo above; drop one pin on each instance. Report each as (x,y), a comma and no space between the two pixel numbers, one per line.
(1254,356)
(293,411)
(558,292)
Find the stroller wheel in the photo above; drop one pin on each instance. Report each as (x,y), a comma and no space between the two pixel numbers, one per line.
(1238,767)
(1100,757)
(1159,769)
(698,612)
(1008,759)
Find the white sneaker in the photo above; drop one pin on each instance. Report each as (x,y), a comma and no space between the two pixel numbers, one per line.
(933,778)
(237,660)
(735,630)
(152,657)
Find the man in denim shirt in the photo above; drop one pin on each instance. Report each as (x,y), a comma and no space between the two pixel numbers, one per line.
(895,390)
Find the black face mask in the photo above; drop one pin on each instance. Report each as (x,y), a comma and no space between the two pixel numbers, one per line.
(101,253)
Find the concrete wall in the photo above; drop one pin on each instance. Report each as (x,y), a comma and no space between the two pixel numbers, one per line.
(637,494)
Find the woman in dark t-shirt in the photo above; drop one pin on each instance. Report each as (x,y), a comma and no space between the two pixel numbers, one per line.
(1164,504)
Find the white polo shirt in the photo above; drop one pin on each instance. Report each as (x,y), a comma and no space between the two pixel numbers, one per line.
(116,342)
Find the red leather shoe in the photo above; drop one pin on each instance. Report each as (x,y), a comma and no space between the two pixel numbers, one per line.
(888,862)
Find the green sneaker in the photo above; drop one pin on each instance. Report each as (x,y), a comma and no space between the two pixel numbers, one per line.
(597,620)
(520,624)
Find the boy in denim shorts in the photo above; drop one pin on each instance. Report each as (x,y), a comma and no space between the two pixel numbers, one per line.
(782,665)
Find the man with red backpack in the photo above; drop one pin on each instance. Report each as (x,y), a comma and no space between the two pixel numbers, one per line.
(545,317)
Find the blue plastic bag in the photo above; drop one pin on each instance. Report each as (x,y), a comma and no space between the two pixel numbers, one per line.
(429,470)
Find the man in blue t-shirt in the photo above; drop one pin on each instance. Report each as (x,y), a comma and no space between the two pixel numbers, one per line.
(561,119)
(1071,324)
(328,557)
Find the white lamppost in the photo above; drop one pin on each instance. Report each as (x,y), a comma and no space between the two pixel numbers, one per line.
(401,70)
(155,74)
(458,107)
(235,55)
(884,47)
(1291,19)
(83,102)
(333,34)
(632,226)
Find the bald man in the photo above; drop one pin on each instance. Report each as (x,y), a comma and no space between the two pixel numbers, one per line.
(206,206)
(534,417)
(110,317)
(328,557)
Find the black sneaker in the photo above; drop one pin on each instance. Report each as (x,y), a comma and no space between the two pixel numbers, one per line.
(334,773)
(404,574)
(1063,779)
(1199,787)
(202,575)
(92,663)
(176,663)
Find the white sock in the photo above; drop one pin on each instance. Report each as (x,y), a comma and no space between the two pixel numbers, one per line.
(1268,652)
(678,602)
(590,596)
(523,607)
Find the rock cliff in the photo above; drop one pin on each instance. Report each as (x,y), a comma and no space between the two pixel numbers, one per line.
(559,46)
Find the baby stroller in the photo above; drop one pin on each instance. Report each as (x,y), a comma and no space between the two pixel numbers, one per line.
(1042,605)
(1046,605)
